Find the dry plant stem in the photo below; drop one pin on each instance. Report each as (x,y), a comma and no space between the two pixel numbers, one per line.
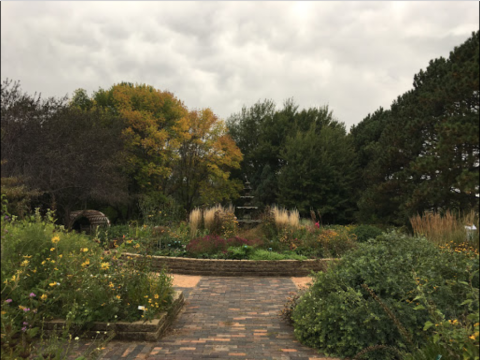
(392,316)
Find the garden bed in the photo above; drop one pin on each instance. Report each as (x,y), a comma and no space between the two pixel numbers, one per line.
(221,267)
(130,331)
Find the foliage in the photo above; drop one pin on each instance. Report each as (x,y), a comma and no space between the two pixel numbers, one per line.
(155,123)
(70,155)
(207,154)
(366,232)
(48,273)
(422,154)
(447,228)
(338,316)
(319,172)
(18,196)
(215,245)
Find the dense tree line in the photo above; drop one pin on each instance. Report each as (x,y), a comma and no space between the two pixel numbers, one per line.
(298,159)
(133,143)
(121,147)
(422,154)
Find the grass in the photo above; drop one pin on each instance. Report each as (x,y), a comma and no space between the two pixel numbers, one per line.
(446,228)
(195,220)
(284,218)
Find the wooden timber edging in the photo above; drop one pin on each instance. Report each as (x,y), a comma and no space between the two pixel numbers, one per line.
(220,267)
(129,331)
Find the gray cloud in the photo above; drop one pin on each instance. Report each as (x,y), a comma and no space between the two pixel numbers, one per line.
(353,56)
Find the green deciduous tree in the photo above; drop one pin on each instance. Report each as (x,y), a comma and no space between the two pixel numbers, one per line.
(319,172)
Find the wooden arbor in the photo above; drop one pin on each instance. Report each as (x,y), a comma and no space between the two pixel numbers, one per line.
(87,220)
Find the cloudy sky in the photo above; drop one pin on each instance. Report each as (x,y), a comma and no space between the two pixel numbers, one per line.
(353,56)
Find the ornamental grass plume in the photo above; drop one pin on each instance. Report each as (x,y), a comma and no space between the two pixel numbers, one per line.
(294,218)
(444,229)
(280,216)
(209,216)
(195,220)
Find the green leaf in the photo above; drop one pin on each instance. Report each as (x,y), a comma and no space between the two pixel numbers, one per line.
(419,307)
(427,326)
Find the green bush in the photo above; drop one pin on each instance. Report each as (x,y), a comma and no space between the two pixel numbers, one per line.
(261,254)
(339,317)
(366,232)
(48,273)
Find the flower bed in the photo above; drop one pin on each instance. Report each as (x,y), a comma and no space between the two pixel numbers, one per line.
(130,331)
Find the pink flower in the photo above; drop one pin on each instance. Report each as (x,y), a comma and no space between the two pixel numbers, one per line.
(317,225)
(32,295)
(8,300)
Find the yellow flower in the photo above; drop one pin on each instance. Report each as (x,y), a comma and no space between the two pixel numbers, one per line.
(52,284)
(60,256)
(129,241)
(4,312)
(136,246)
(44,297)
(43,262)
(25,262)
(118,297)
(27,256)
(472,337)
(55,239)
(55,269)
(84,249)
(105,266)
(35,270)
(156,296)
(21,307)
(111,285)
(87,262)
(52,249)
(53,261)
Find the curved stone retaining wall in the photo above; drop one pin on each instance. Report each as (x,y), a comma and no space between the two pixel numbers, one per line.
(188,266)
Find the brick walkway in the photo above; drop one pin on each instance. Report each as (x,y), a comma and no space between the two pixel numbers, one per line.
(225,318)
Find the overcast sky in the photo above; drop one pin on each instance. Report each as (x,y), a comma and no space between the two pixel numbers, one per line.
(353,56)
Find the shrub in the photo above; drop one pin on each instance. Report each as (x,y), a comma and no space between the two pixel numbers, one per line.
(239,252)
(49,273)
(366,232)
(260,254)
(339,317)
(209,245)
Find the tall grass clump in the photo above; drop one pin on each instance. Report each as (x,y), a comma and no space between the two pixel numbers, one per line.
(446,228)
(218,220)
(195,220)
(284,218)
(209,216)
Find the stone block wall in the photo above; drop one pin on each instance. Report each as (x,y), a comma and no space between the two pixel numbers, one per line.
(214,267)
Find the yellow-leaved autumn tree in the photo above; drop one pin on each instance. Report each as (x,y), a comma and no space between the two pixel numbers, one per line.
(155,124)
(206,156)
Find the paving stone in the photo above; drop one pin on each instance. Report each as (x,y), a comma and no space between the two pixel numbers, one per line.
(225,318)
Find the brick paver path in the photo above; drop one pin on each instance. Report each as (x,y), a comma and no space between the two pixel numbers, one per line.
(225,318)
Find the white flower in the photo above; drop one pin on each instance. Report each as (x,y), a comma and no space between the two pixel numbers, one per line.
(77,338)
(140,307)
(58,283)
